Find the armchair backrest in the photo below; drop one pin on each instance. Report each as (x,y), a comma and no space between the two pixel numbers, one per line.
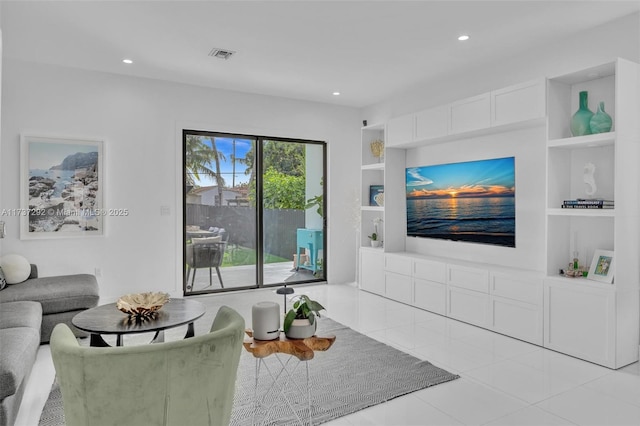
(186,382)
(203,253)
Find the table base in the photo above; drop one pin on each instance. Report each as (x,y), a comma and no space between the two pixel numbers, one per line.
(96,339)
(281,381)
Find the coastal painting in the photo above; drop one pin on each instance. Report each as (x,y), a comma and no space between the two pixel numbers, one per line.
(470,201)
(61,187)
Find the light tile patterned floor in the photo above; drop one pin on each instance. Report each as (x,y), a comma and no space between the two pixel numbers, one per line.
(504,381)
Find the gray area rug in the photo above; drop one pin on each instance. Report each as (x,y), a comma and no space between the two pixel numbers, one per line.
(355,373)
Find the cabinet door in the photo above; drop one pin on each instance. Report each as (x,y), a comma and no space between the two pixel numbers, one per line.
(580,321)
(398,264)
(517,319)
(517,286)
(432,123)
(431,270)
(467,277)
(517,103)
(430,295)
(372,271)
(470,114)
(398,287)
(400,130)
(468,306)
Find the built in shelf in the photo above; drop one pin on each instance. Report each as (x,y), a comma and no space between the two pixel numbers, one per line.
(588,141)
(582,281)
(374,166)
(582,212)
(373,208)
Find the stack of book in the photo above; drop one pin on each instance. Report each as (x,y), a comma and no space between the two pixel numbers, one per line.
(582,203)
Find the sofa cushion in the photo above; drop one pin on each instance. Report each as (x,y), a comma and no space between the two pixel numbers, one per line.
(19,341)
(56,294)
(20,314)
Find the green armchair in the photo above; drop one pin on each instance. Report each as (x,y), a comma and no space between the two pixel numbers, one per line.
(186,382)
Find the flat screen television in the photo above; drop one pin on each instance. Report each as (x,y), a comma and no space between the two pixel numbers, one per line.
(470,201)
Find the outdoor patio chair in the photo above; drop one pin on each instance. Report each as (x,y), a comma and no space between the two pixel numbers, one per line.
(205,253)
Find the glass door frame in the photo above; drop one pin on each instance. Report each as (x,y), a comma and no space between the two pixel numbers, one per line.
(259,216)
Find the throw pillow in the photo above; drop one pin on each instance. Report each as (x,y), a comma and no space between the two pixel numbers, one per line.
(3,280)
(15,267)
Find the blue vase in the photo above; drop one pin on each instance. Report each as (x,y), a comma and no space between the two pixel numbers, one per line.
(601,121)
(581,120)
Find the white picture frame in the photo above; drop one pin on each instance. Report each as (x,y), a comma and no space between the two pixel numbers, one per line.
(602,267)
(61,187)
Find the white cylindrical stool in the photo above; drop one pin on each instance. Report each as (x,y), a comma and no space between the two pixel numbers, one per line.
(265,317)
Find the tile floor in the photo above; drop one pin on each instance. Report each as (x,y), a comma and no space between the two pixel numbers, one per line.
(503,381)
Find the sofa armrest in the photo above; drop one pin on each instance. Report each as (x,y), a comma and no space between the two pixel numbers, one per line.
(34,271)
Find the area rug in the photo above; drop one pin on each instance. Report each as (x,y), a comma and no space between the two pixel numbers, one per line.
(355,373)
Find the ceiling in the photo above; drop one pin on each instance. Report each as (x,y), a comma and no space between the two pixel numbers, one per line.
(367,50)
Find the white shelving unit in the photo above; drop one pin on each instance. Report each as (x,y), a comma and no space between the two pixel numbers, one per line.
(588,319)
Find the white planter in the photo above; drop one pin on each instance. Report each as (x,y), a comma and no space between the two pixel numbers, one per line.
(375,243)
(301,329)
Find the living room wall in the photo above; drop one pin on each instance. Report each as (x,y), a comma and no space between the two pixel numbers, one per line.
(141,122)
(619,38)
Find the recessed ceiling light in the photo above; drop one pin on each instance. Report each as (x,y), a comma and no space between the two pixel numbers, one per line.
(463,37)
(336,93)
(127,61)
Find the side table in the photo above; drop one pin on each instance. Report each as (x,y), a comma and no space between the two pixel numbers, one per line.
(302,349)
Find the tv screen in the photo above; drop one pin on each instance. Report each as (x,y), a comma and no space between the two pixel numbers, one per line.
(472,201)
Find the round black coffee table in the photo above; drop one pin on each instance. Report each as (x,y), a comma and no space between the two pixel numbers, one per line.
(107,319)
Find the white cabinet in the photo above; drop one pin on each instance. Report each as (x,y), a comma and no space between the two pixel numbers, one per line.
(432,123)
(517,305)
(398,284)
(583,318)
(468,306)
(476,279)
(523,321)
(387,220)
(518,103)
(580,321)
(372,271)
(400,130)
(398,287)
(592,320)
(470,114)
(430,295)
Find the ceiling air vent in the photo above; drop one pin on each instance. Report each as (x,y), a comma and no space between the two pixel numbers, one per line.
(221,53)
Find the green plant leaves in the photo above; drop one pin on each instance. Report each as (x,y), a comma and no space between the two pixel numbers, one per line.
(304,307)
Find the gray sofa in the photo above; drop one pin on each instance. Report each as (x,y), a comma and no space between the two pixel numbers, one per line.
(28,313)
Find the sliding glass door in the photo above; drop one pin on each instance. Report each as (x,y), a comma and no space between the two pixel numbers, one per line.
(250,204)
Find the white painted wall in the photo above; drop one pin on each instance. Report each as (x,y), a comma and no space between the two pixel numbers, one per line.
(141,121)
(528,147)
(619,38)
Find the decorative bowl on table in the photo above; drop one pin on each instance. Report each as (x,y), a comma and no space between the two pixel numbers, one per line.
(142,305)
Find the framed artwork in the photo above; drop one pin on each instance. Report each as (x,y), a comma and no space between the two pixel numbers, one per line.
(602,266)
(61,187)
(376,195)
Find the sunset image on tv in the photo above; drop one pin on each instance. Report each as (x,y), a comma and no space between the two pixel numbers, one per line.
(472,201)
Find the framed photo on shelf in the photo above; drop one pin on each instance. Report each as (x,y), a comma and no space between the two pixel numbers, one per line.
(376,195)
(602,266)
(61,187)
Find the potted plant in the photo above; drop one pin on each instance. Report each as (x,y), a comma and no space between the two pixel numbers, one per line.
(374,237)
(374,240)
(300,322)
